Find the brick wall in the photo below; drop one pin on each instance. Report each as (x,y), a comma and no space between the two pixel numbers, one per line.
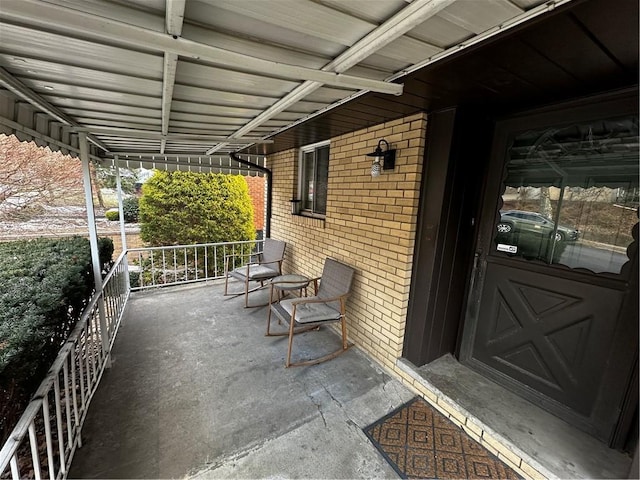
(370,224)
(257,191)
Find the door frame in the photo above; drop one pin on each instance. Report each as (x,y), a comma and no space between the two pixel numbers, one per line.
(609,104)
(458,141)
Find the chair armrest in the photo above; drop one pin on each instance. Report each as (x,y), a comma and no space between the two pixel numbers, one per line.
(226,258)
(320,300)
(315,284)
(270,261)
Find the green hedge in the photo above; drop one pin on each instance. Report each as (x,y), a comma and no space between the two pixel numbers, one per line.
(44,287)
(129,208)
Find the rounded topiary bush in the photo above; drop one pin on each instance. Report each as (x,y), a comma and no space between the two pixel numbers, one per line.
(178,208)
(112,214)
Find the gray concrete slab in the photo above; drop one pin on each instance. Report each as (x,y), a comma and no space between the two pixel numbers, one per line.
(196,389)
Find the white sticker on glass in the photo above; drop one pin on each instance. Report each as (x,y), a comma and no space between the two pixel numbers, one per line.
(507,248)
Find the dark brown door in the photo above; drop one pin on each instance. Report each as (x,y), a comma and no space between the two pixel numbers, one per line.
(549,313)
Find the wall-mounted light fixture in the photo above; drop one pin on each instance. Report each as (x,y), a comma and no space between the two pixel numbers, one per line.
(295,206)
(387,157)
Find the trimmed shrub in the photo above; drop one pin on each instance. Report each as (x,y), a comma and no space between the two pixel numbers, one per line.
(44,287)
(112,214)
(130,208)
(187,208)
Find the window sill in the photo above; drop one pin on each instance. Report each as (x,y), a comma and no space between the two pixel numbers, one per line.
(308,220)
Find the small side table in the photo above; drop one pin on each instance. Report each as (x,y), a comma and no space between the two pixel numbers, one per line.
(290,282)
(283,285)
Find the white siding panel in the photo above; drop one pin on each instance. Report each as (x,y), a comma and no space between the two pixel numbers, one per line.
(478,16)
(441,32)
(406,49)
(94,94)
(302,16)
(29,43)
(261,31)
(196,94)
(189,73)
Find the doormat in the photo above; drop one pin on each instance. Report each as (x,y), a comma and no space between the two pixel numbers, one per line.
(420,442)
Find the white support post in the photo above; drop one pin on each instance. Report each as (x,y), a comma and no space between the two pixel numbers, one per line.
(123,235)
(93,240)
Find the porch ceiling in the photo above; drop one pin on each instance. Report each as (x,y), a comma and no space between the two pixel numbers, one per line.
(187,79)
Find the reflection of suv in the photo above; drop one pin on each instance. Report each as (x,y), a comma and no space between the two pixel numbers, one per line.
(530,222)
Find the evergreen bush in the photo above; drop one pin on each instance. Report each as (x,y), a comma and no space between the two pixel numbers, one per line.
(178,208)
(112,214)
(44,287)
(130,208)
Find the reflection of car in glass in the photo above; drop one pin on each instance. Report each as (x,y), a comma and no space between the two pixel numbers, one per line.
(512,221)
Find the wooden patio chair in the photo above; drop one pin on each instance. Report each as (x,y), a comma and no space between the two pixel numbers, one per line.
(268,266)
(308,313)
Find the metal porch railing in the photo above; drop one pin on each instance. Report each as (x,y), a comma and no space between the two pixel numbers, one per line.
(43,442)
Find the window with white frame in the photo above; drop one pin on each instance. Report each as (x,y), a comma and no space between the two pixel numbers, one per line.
(313,178)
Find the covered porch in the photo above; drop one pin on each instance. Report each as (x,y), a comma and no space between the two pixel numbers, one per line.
(128,86)
(196,390)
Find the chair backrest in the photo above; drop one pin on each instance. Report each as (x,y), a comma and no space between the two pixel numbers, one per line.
(336,280)
(273,251)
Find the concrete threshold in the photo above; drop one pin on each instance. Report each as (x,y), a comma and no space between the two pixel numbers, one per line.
(535,442)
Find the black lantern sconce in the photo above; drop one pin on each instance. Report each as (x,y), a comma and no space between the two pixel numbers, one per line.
(387,157)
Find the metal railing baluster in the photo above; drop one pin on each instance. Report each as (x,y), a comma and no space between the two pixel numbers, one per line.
(58,401)
(33,440)
(48,438)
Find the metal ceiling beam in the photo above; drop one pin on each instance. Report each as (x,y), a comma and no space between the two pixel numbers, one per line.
(406,19)
(22,91)
(176,155)
(174,18)
(168,82)
(83,25)
(505,26)
(150,134)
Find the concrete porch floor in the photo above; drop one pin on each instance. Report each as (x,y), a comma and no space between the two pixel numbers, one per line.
(197,390)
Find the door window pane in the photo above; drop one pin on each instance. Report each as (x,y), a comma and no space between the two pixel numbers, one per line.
(571,195)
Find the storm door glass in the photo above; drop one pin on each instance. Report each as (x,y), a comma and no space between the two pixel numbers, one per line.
(571,195)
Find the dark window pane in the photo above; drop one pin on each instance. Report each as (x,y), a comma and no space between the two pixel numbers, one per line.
(314,179)
(307,181)
(322,177)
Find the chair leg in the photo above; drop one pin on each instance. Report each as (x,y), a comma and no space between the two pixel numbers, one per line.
(292,323)
(269,313)
(329,356)
(246,293)
(344,330)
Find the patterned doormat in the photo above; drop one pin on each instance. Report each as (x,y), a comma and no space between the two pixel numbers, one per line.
(420,442)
